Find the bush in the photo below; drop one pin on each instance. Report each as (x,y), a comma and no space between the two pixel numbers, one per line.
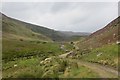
(21,39)
(33,34)
(71,43)
(44,42)
(62,65)
(38,42)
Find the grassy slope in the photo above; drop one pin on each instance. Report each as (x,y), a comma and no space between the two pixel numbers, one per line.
(25,30)
(106,55)
(26,47)
(108,34)
(21,39)
(18,29)
(102,42)
(13,49)
(14,29)
(33,68)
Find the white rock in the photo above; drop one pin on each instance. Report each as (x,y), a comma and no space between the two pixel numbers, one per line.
(62,47)
(41,62)
(47,59)
(118,42)
(15,65)
(99,54)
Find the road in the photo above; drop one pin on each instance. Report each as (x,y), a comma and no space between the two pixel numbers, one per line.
(103,71)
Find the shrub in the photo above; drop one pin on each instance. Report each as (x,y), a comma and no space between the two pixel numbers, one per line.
(44,42)
(62,65)
(38,42)
(71,43)
(21,39)
(33,34)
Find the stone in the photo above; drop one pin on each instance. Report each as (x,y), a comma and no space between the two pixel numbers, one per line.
(117,42)
(15,65)
(99,54)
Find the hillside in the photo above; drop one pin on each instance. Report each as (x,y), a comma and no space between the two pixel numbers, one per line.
(21,39)
(102,46)
(107,35)
(13,28)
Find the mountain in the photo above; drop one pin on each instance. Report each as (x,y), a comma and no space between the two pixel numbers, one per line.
(107,35)
(13,28)
(70,33)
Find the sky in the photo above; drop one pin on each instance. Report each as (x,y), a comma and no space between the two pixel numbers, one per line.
(64,16)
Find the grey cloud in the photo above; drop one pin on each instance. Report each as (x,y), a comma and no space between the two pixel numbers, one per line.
(81,16)
(61,6)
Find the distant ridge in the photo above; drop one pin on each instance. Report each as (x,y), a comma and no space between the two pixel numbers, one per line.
(27,30)
(71,33)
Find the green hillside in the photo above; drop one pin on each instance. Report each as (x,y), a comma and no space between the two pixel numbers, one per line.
(22,39)
(102,46)
(15,29)
(105,55)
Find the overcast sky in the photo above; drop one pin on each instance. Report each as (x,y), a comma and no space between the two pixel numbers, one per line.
(65,16)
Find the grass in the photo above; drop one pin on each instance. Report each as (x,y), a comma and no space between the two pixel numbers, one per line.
(16,49)
(106,55)
(56,68)
(28,68)
(26,47)
(27,55)
(82,72)
(19,29)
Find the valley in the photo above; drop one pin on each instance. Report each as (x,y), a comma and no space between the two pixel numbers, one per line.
(32,51)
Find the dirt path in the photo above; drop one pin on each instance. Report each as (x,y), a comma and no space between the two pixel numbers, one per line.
(103,72)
